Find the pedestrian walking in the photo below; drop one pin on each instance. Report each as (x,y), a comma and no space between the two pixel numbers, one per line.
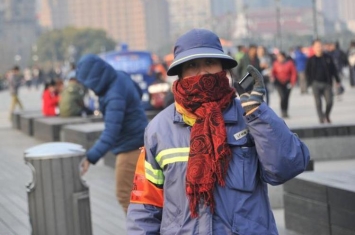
(124,117)
(320,72)
(285,78)
(37,76)
(28,78)
(249,58)
(339,57)
(241,49)
(207,157)
(351,60)
(300,60)
(14,81)
(265,69)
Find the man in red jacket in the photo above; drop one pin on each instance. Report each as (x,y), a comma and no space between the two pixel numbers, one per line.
(285,75)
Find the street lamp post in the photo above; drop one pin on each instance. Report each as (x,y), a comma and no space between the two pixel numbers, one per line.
(315,26)
(246,8)
(278,24)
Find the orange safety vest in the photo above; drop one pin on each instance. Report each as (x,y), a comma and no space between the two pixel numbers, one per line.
(144,191)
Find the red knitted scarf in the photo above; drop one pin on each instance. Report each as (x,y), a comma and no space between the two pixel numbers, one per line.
(205,96)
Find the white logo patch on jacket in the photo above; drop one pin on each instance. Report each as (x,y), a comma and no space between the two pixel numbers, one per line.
(241,134)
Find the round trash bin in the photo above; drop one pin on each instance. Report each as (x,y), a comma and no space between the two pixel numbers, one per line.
(58,198)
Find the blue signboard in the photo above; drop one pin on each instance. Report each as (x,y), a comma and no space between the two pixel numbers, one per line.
(130,62)
(138,65)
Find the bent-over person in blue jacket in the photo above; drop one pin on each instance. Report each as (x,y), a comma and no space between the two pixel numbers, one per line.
(124,117)
(208,157)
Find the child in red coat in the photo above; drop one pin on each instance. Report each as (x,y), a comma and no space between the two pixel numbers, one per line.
(50,99)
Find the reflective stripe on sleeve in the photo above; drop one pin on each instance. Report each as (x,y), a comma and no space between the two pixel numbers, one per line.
(153,175)
(172,155)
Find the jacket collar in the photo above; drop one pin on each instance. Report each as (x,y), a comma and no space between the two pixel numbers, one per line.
(230,114)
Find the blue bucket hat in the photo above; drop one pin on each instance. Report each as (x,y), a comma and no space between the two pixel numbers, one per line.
(198,43)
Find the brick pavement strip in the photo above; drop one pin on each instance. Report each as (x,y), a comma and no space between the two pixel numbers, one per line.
(107,216)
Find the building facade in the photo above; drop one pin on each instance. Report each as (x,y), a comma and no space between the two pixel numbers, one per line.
(141,24)
(18,32)
(157,25)
(187,14)
(346,11)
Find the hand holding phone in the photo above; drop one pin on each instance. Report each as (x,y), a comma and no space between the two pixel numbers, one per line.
(254,87)
(247,82)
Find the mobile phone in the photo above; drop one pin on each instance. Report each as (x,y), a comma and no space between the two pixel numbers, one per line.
(247,82)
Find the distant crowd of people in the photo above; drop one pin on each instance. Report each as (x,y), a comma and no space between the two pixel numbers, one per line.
(319,67)
(62,94)
(314,68)
(64,99)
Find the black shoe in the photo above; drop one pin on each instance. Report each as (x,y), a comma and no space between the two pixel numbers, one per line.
(327,120)
(284,114)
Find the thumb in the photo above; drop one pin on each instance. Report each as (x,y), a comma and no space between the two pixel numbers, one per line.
(258,78)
